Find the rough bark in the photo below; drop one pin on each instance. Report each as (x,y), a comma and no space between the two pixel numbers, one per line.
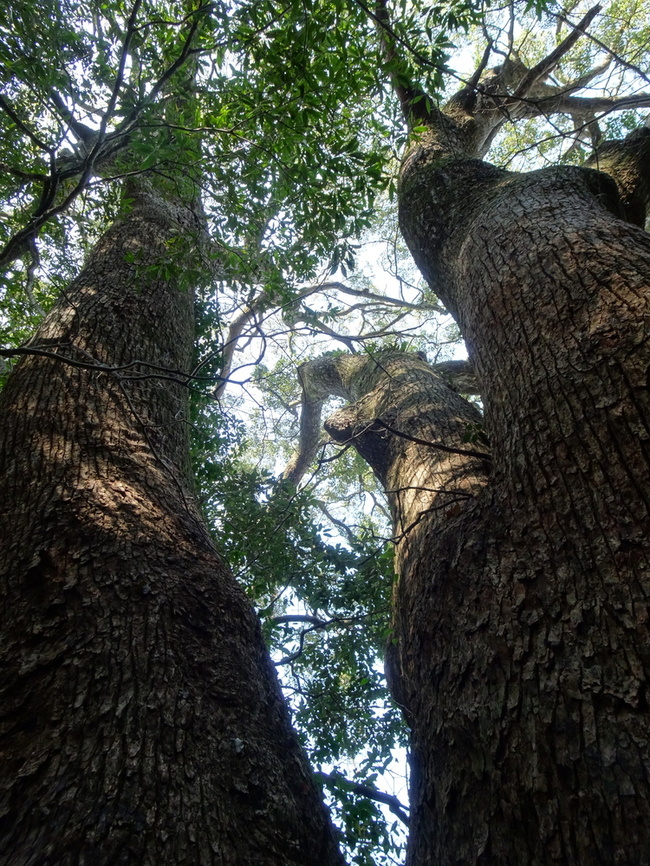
(140,717)
(521,652)
(522,624)
(628,162)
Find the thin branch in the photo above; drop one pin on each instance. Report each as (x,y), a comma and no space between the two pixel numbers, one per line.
(637,71)
(468,452)
(27,176)
(372,296)
(348,342)
(413,100)
(296,617)
(234,333)
(452,492)
(252,309)
(186,51)
(396,539)
(587,78)
(336,456)
(473,81)
(316,625)
(544,68)
(316,622)
(382,19)
(119,78)
(22,125)
(34,262)
(396,806)
(167,467)
(177,376)
(98,151)
(343,527)
(292,657)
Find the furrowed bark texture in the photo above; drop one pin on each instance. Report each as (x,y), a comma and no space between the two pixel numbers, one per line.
(141,721)
(522,623)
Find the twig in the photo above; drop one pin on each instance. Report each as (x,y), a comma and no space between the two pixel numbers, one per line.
(468,452)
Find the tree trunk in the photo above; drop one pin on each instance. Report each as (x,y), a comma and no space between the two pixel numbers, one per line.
(527,685)
(522,650)
(141,718)
(534,747)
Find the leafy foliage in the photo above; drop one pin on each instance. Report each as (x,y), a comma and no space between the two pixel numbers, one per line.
(324,607)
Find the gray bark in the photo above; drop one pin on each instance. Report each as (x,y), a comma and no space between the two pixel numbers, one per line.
(353,377)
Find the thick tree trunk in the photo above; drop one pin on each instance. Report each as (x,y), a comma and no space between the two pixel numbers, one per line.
(521,650)
(522,625)
(140,715)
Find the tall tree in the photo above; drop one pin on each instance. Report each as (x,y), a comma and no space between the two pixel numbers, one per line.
(520,652)
(142,720)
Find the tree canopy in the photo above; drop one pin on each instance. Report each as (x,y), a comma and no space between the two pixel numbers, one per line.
(291,117)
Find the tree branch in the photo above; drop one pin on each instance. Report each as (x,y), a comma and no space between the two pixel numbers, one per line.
(543,69)
(394,302)
(330,377)
(99,146)
(413,100)
(393,803)
(582,106)
(295,617)
(620,60)
(467,452)
(460,374)
(6,107)
(234,333)
(81,131)
(628,163)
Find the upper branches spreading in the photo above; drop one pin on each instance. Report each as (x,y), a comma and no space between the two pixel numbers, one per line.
(511,91)
(74,151)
